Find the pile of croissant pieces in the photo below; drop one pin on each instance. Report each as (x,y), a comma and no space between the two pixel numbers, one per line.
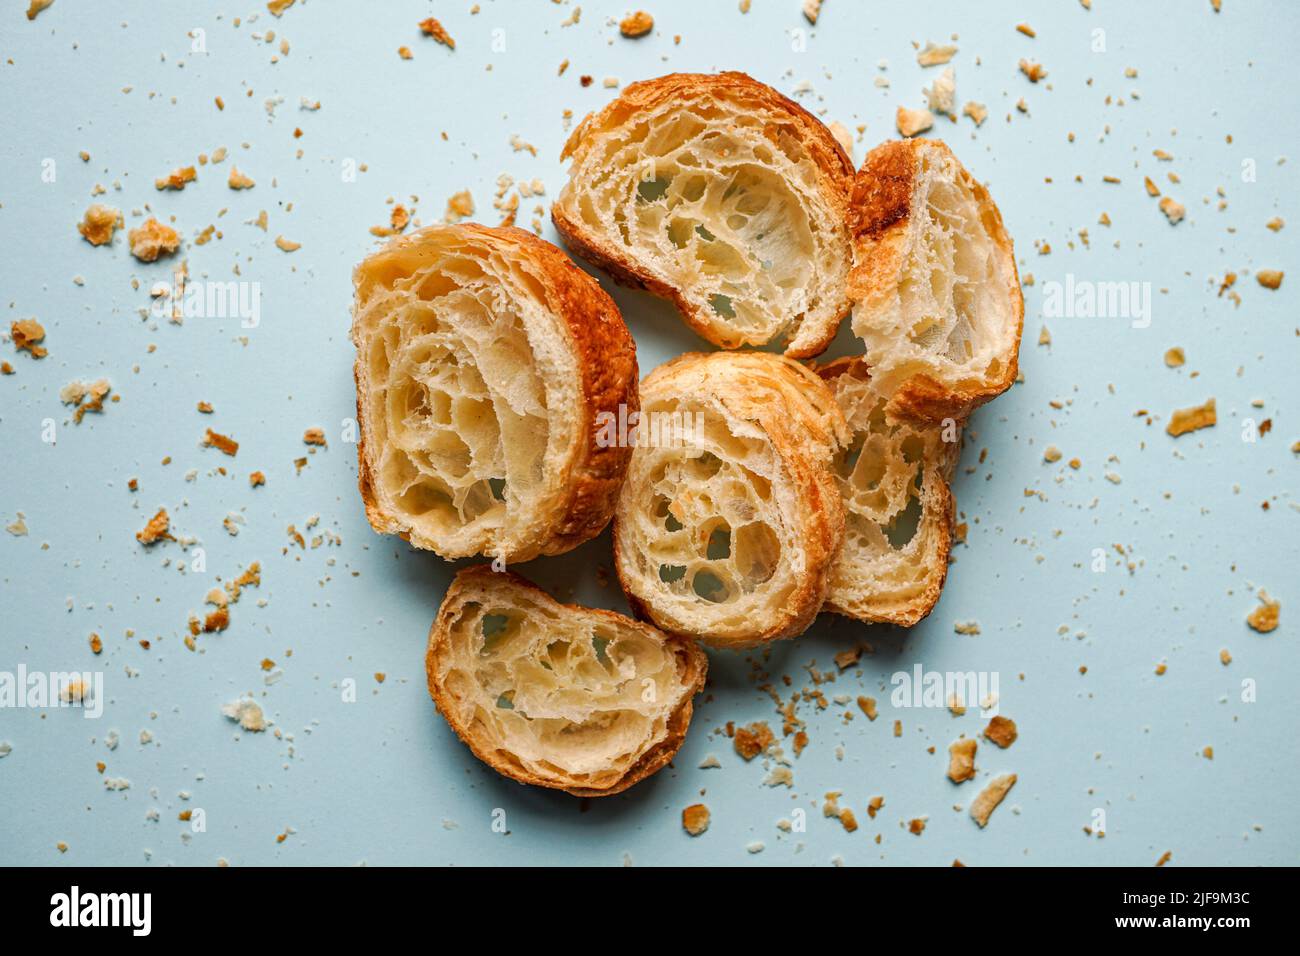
(749,488)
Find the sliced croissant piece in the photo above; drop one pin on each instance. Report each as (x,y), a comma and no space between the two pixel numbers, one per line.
(730,520)
(718,193)
(486,362)
(899,508)
(555,695)
(936,296)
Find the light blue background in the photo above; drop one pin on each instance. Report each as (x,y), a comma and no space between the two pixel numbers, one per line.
(375,780)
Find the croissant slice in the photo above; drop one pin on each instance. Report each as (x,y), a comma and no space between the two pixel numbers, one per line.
(581,700)
(899,508)
(936,296)
(730,521)
(718,193)
(486,363)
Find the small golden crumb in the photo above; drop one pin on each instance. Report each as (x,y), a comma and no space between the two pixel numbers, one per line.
(86,397)
(1167,855)
(638,24)
(287,245)
(912,122)
(314,436)
(1265,617)
(1174,211)
(177,178)
(256,478)
(1151,187)
(404,52)
(966,627)
(982,806)
(277,7)
(1051,453)
(1162,669)
(1276,223)
(380,677)
(961,759)
(153,239)
(1184,420)
(976,111)
(205,407)
(1026,29)
(1269,278)
(916,826)
(898,728)
(753,740)
(1208,753)
(96,645)
(221,442)
(26,334)
(868,705)
(6,368)
(156,530)
(1001,731)
(1034,71)
(99,223)
(433,28)
(60,846)
(33,8)
(933,55)
(1175,357)
(238,180)
(695,819)
(460,206)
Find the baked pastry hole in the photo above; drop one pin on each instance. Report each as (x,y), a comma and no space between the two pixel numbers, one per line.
(712,587)
(757,553)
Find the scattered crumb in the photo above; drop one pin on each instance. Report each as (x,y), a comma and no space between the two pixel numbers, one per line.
(460,206)
(753,740)
(982,806)
(153,239)
(431,27)
(1265,617)
(961,759)
(695,819)
(287,245)
(1269,278)
(314,436)
(1001,731)
(912,122)
(636,24)
(247,713)
(26,334)
(222,443)
(238,180)
(156,530)
(85,396)
(99,223)
(933,55)
(1175,357)
(1184,420)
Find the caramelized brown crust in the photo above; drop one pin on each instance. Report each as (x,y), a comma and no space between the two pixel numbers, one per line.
(606,359)
(834,169)
(692,666)
(879,219)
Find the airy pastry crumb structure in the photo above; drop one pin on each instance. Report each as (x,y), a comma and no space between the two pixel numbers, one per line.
(936,296)
(586,701)
(731,535)
(484,359)
(718,193)
(898,507)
